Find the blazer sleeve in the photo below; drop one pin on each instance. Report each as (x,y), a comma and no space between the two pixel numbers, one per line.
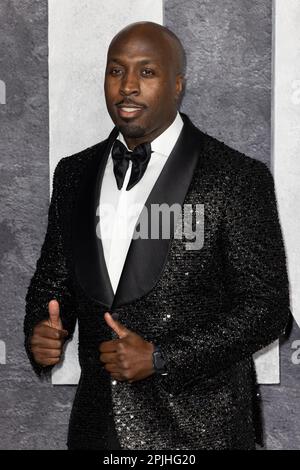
(256,281)
(51,277)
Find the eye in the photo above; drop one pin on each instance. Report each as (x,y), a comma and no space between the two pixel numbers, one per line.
(115,71)
(147,72)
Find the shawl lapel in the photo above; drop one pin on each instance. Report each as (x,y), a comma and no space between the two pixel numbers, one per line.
(146,258)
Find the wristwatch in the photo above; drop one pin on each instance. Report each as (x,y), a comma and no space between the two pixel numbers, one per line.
(158,361)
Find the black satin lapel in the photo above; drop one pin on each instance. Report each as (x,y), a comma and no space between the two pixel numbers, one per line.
(90,266)
(146,257)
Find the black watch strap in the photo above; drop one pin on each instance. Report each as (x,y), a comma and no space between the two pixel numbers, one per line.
(158,361)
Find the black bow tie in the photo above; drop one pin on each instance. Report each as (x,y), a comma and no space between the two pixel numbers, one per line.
(140,157)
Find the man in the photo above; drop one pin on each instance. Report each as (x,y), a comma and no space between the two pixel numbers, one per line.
(166,333)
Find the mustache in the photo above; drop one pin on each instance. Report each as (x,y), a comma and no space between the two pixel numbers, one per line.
(130,102)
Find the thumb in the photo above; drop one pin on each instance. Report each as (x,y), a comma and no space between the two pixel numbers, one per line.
(54,317)
(120,329)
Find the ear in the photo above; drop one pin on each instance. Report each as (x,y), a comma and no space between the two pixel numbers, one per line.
(179,87)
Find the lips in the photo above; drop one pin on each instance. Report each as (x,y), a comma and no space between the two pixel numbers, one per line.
(129,111)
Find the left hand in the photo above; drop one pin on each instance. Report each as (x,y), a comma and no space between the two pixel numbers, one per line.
(129,357)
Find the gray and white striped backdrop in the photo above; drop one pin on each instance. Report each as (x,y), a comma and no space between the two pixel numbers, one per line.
(243,87)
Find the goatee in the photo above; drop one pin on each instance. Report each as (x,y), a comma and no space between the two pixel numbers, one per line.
(132,131)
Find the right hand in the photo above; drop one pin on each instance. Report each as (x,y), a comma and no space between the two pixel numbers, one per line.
(48,337)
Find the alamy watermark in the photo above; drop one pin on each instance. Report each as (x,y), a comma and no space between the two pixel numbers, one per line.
(296,354)
(160,222)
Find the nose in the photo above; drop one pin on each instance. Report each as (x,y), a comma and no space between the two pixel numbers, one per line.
(130,84)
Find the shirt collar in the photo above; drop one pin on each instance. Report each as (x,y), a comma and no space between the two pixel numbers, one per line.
(165,142)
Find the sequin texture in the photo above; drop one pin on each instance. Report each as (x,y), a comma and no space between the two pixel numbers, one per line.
(210,310)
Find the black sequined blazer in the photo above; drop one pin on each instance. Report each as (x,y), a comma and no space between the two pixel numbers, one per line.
(209,309)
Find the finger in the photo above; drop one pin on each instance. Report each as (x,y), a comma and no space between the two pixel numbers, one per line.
(118,328)
(46,343)
(108,346)
(54,315)
(108,358)
(48,362)
(112,368)
(118,377)
(49,332)
(46,353)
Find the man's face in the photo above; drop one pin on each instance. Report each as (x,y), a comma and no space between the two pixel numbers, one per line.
(141,85)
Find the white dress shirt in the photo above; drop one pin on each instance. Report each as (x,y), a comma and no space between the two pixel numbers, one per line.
(119,209)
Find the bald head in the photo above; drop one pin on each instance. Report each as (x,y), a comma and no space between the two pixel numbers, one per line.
(144,80)
(159,34)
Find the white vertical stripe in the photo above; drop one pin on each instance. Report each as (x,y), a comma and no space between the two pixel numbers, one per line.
(286,141)
(267,364)
(285,154)
(286,146)
(267,360)
(79,34)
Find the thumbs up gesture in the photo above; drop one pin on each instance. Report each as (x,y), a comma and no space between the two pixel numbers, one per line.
(48,337)
(127,358)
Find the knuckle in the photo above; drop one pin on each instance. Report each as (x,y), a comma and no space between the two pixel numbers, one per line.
(125,364)
(121,357)
(127,375)
(120,348)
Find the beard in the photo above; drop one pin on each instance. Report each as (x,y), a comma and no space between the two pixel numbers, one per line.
(132,131)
